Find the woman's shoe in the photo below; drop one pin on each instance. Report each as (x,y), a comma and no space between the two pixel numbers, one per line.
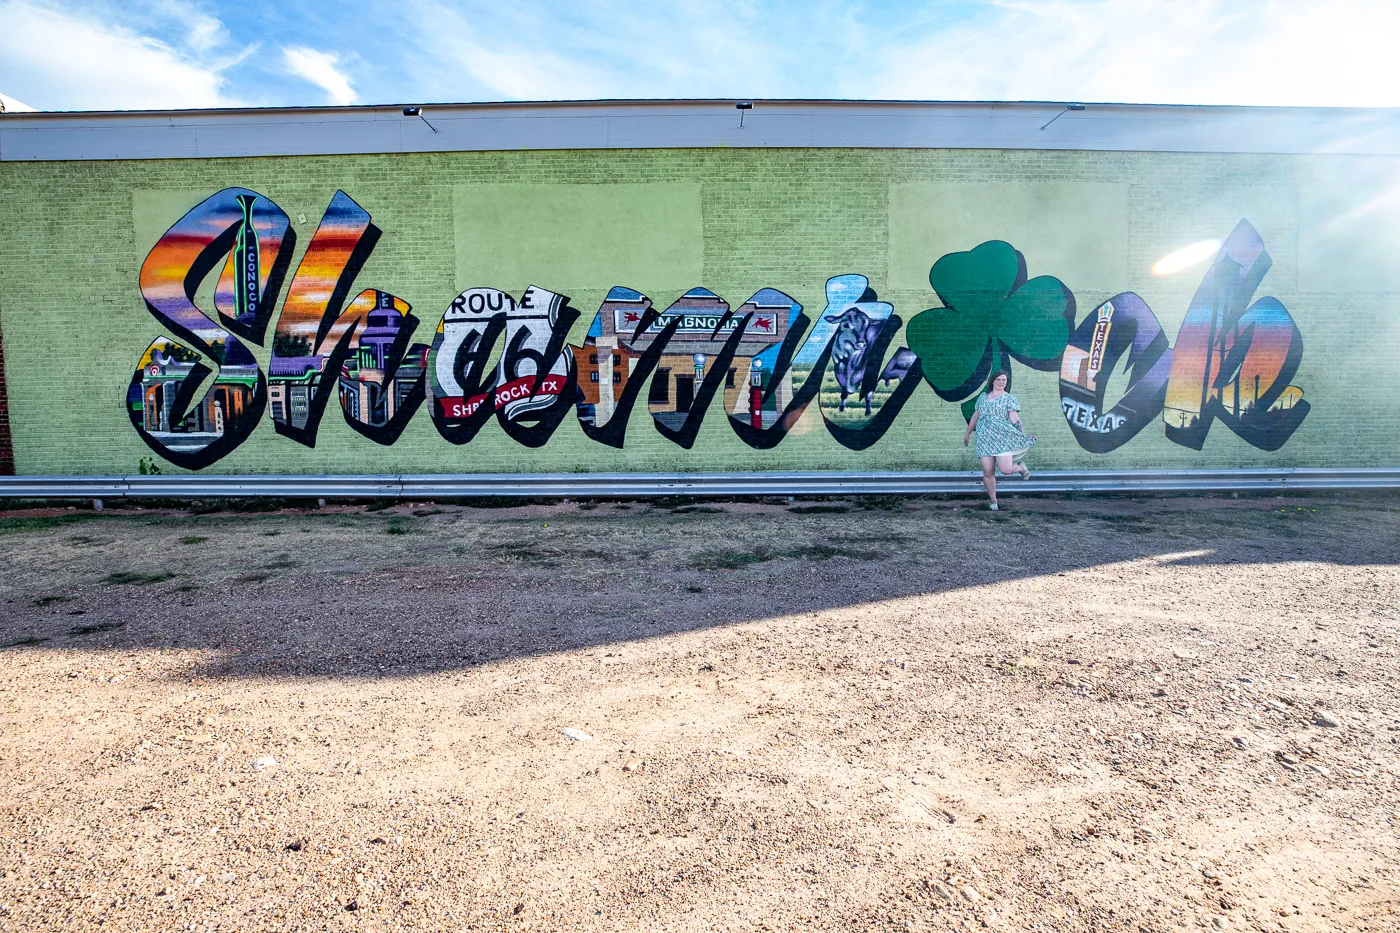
(1027,474)
(993,507)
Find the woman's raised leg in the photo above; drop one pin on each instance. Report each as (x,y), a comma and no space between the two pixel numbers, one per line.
(1006,465)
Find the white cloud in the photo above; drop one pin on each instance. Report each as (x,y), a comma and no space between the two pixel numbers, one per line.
(1264,52)
(203,33)
(612,48)
(64,61)
(206,32)
(320,69)
(512,70)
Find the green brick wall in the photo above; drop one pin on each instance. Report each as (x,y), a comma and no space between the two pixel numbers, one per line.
(73,236)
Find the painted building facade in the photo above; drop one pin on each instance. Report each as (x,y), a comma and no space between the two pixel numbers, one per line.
(1168,287)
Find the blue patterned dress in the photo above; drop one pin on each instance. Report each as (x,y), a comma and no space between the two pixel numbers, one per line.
(996,435)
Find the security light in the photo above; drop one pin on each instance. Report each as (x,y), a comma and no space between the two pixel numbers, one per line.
(741,106)
(418,112)
(1068,108)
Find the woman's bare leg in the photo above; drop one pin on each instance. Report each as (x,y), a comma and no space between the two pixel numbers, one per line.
(989,478)
(1006,466)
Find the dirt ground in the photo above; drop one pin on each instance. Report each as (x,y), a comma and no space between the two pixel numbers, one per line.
(887,714)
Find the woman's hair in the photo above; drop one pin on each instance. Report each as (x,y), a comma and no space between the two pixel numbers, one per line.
(991,382)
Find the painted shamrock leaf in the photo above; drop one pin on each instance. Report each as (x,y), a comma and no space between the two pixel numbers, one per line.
(991,314)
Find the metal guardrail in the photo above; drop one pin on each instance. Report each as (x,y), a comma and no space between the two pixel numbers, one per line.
(628,485)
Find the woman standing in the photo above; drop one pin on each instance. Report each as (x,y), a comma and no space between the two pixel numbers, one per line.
(999,436)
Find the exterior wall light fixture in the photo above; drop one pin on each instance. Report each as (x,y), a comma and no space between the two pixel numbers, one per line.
(1068,108)
(418,112)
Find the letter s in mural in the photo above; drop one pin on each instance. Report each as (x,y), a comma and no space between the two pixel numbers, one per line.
(494,356)
(253,239)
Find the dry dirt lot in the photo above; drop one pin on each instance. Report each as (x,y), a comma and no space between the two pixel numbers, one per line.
(1100,714)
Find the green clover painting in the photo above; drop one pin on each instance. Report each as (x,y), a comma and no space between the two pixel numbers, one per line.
(991,315)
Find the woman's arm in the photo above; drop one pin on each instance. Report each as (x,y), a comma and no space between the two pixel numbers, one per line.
(971,425)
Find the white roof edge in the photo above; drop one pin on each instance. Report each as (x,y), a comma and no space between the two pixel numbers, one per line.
(649,124)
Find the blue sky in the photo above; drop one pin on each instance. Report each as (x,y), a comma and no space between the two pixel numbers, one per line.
(100,54)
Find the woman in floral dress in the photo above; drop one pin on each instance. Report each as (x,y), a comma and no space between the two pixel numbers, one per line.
(1000,439)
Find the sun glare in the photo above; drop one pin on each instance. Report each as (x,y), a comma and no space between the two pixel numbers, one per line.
(1186,257)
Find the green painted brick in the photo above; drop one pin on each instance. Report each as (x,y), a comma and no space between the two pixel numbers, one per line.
(73,235)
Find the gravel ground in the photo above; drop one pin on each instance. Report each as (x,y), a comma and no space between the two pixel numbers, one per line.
(1092,715)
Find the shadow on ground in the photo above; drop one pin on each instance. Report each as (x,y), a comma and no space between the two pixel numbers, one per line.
(402,590)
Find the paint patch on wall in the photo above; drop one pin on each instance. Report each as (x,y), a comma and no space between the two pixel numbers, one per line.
(1078,226)
(1349,232)
(578,236)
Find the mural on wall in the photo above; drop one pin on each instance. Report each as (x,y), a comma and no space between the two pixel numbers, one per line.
(360,354)
(992,313)
(1122,324)
(1232,361)
(253,239)
(531,387)
(762,360)
(496,357)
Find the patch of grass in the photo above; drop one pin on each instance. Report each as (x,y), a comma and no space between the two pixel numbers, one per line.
(733,558)
(29,523)
(1051,516)
(379,505)
(828,551)
(885,503)
(185,588)
(193,539)
(819,509)
(687,509)
(499,502)
(25,640)
(272,532)
(398,526)
(263,504)
(671,502)
(95,628)
(138,578)
(280,562)
(526,554)
(422,513)
(1132,524)
(253,576)
(58,598)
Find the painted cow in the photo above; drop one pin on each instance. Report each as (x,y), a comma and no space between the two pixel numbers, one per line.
(856,333)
